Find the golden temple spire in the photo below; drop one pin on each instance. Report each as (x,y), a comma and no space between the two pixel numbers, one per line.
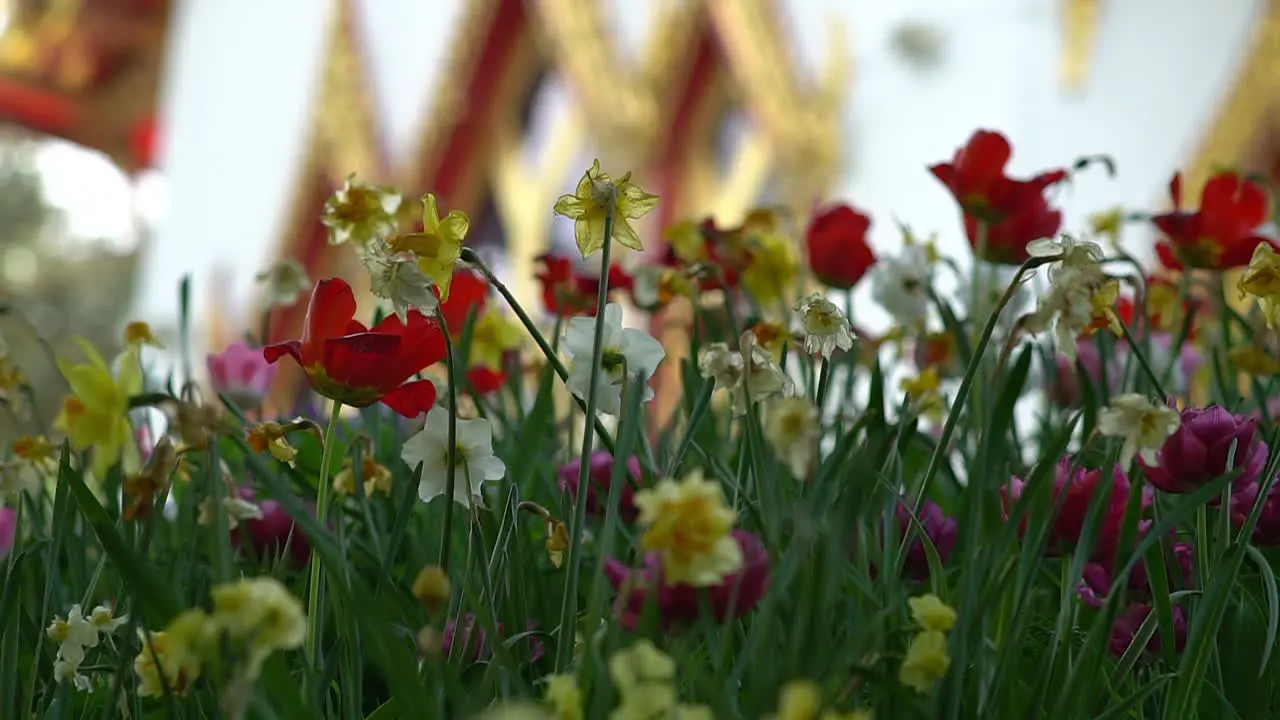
(1080,36)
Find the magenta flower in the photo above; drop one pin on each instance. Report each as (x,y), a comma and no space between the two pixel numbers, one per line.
(242,374)
(475,640)
(736,595)
(1127,625)
(1064,384)
(601,479)
(1267,531)
(8,530)
(1198,451)
(1079,486)
(1098,579)
(276,529)
(941,530)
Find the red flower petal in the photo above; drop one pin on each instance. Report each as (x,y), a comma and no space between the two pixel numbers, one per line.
(469,290)
(486,380)
(362,361)
(332,308)
(412,399)
(292,348)
(980,163)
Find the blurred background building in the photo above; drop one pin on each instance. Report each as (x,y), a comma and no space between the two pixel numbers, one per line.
(148,139)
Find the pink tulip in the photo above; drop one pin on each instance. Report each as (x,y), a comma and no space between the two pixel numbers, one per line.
(736,595)
(273,532)
(1064,384)
(8,530)
(1198,451)
(601,479)
(242,374)
(1079,486)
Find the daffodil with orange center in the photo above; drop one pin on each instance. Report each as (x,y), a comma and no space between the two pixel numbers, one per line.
(96,414)
(689,525)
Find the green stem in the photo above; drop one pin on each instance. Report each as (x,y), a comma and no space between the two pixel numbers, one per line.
(569,604)
(323,492)
(962,393)
(451,452)
(469,256)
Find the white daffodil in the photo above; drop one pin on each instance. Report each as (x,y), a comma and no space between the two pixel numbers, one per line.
(1074,255)
(359,212)
(826,329)
(749,371)
(901,284)
(1081,295)
(792,428)
(627,353)
(475,462)
(284,282)
(1144,425)
(399,278)
(103,618)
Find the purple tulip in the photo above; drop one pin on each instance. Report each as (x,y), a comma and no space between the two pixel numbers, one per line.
(1267,531)
(475,640)
(735,595)
(600,480)
(1064,385)
(1198,451)
(273,531)
(941,530)
(1130,621)
(1098,578)
(8,530)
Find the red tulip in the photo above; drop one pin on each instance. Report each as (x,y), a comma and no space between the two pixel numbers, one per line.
(1079,485)
(1198,451)
(1220,235)
(1013,212)
(486,380)
(736,595)
(347,362)
(837,243)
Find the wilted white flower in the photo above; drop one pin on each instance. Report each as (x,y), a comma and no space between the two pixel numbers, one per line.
(1144,425)
(826,329)
(237,509)
(626,353)
(397,276)
(748,371)
(284,282)
(474,459)
(1081,295)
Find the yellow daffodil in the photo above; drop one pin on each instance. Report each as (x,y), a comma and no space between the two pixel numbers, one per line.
(689,524)
(375,477)
(261,613)
(930,613)
(1107,224)
(159,655)
(96,414)
(596,197)
(564,696)
(359,212)
(35,449)
(1253,360)
(799,700)
(1262,280)
(645,678)
(439,245)
(493,335)
(772,269)
(270,437)
(557,542)
(687,241)
(926,662)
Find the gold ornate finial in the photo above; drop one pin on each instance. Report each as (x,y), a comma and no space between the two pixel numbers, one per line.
(1080,24)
